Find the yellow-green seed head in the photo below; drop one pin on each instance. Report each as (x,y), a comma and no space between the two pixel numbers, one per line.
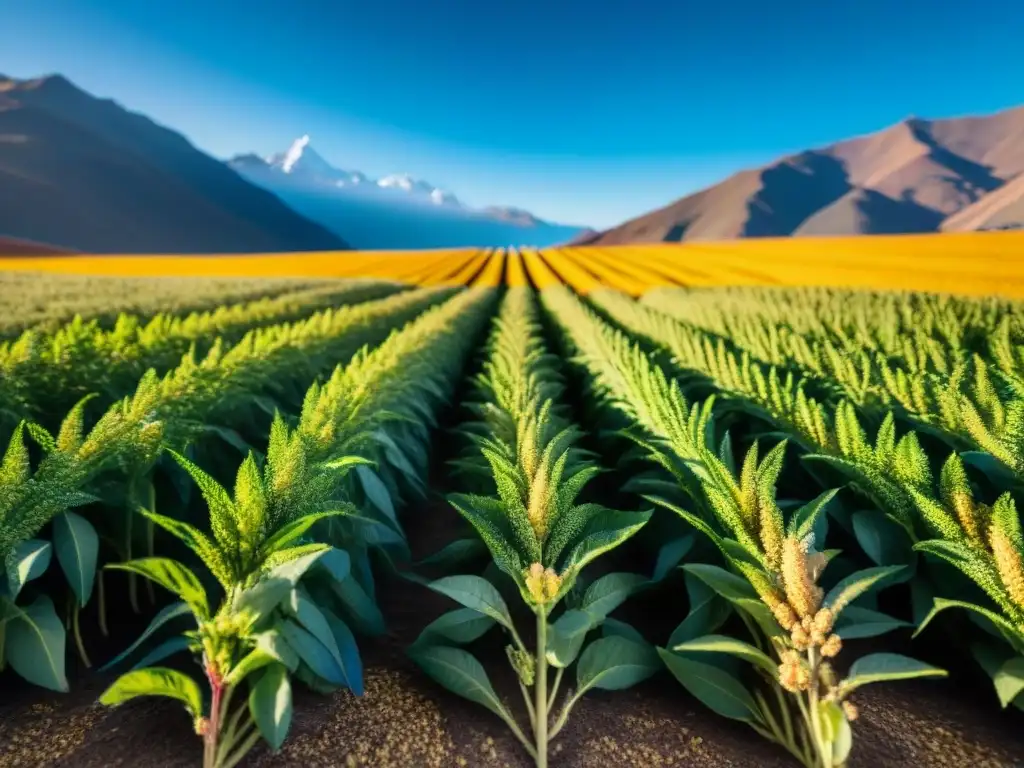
(801,591)
(1009,563)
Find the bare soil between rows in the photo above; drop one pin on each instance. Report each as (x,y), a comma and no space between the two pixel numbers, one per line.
(404,720)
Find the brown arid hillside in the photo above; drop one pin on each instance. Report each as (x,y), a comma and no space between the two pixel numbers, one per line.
(84,173)
(13,246)
(1003,208)
(916,176)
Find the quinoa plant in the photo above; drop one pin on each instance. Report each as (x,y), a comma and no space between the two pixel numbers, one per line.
(774,568)
(541,538)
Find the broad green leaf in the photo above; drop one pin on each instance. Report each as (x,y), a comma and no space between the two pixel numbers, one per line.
(566,635)
(884,667)
(731,646)
(376,492)
(28,560)
(270,703)
(77,547)
(315,654)
(263,597)
(837,731)
(456,553)
(605,531)
(614,663)
(614,627)
(273,643)
(295,569)
(670,555)
(708,611)
(170,613)
(942,604)
(762,615)
(336,562)
(315,622)
(728,585)
(856,623)
(1009,680)
(168,647)
(609,592)
(254,661)
(155,681)
(476,593)
(35,644)
(360,607)
(717,689)
(459,672)
(463,625)
(994,470)
(172,576)
(882,539)
(856,584)
(351,663)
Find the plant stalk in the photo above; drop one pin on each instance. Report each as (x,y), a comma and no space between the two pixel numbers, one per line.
(77,628)
(101,597)
(540,727)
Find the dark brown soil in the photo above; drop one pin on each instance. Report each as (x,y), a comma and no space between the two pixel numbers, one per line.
(404,720)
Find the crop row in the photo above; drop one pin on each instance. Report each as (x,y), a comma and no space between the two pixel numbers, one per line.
(790,493)
(45,373)
(47,300)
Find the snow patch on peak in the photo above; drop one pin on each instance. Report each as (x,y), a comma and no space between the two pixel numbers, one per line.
(440,197)
(294,153)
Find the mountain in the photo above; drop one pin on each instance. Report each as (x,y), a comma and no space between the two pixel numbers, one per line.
(13,246)
(396,211)
(916,176)
(1001,209)
(84,173)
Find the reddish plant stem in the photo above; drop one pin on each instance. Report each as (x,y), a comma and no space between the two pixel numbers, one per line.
(213,726)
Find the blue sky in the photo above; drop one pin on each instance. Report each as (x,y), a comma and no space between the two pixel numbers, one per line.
(582,112)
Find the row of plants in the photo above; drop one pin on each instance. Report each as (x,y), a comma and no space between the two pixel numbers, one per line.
(974,406)
(927,507)
(783,680)
(275,579)
(72,496)
(44,373)
(521,479)
(48,300)
(293,592)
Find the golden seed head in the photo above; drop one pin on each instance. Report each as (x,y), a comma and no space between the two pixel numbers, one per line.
(540,499)
(969,514)
(542,584)
(794,675)
(785,616)
(831,647)
(851,710)
(1009,563)
(818,638)
(771,533)
(799,637)
(801,591)
(823,621)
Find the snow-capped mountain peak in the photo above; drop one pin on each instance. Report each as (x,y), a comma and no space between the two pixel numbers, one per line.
(294,153)
(300,159)
(302,166)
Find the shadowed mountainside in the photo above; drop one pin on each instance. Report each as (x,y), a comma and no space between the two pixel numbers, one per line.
(916,176)
(85,173)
